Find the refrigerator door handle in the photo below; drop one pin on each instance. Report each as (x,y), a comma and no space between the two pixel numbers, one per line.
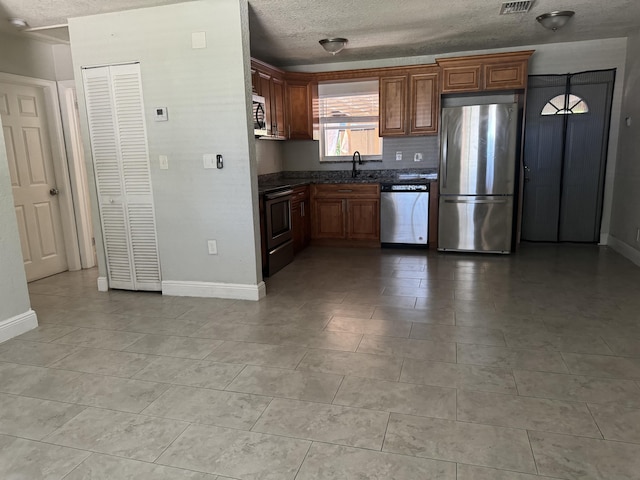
(474,201)
(445,140)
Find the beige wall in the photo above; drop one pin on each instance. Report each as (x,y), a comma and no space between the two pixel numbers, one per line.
(21,55)
(14,297)
(269,156)
(626,202)
(62,62)
(207,93)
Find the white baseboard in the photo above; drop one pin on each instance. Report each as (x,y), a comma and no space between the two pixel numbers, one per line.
(624,249)
(103,284)
(237,291)
(604,239)
(18,325)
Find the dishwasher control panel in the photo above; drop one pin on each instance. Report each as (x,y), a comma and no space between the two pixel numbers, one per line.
(388,187)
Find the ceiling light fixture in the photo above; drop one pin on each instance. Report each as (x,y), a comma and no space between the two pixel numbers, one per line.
(555,20)
(18,23)
(333,45)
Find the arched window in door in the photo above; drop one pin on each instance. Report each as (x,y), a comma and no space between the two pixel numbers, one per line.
(565,105)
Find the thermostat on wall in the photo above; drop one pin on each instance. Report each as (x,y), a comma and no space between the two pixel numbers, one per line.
(160,114)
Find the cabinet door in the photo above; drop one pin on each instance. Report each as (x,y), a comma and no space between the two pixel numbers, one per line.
(277,108)
(306,222)
(297,226)
(465,78)
(393,99)
(329,218)
(424,103)
(299,111)
(255,81)
(501,76)
(363,219)
(265,91)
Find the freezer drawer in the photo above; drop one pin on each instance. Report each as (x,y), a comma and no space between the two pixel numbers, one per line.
(475,223)
(404,218)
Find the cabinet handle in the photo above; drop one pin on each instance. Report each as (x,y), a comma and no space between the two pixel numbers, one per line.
(302,208)
(289,131)
(345,190)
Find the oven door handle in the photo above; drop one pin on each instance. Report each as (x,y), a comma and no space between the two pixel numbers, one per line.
(273,196)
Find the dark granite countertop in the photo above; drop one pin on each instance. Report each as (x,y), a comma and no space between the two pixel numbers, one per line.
(279,181)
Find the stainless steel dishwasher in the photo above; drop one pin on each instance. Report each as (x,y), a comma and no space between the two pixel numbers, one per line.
(404,214)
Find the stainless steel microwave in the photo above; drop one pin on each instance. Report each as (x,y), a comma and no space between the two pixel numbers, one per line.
(259,117)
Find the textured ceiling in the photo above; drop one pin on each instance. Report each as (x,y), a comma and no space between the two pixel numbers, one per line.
(286,32)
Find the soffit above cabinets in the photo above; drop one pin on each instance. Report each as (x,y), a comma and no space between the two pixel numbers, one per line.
(286,32)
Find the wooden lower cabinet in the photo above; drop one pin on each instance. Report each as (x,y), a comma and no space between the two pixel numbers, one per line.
(346,213)
(363,219)
(328,218)
(300,218)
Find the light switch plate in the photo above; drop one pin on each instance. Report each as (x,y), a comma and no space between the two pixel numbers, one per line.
(163,160)
(417,157)
(398,156)
(199,40)
(209,160)
(212,245)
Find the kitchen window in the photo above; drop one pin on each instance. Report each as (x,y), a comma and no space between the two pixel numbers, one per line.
(349,121)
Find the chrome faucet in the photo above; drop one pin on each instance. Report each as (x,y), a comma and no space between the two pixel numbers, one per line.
(354,172)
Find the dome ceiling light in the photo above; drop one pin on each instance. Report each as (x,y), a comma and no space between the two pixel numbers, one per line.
(555,20)
(333,45)
(18,23)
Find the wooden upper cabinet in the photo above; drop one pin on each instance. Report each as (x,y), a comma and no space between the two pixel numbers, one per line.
(264,82)
(301,93)
(393,101)
(424,102)
(278,123)
(461,78)
(499,71)
(255,81)
(409,103)
(268,82)
(501,76)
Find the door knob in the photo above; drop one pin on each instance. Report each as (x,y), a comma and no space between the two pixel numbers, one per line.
(54,191)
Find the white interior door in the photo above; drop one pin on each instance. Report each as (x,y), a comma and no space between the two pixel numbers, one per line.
(117,130)
(34,184)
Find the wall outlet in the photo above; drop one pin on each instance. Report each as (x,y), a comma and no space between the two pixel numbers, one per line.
(417,157)
(163,160)
(398,156)
(213,247)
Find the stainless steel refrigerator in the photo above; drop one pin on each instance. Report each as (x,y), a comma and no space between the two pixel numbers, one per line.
(477,178)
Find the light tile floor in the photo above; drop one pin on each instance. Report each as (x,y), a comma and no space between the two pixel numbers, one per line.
(360,364)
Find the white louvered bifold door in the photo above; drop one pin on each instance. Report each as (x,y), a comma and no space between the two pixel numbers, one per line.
(115,112)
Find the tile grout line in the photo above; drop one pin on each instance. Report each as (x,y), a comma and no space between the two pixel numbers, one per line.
(533,455)
(337,390)
(595,421)
(303,459)
(78,466)
(189,424)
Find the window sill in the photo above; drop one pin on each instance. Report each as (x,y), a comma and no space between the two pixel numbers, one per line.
(350,160)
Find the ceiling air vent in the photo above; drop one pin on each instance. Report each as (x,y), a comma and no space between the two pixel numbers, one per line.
(515,7)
